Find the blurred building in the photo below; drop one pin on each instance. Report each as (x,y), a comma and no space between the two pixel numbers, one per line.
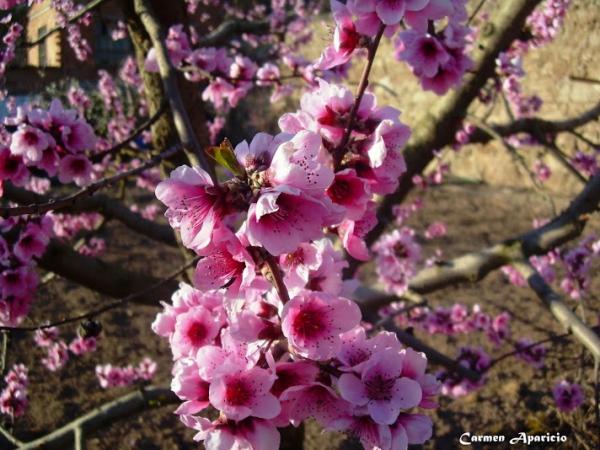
(51,58)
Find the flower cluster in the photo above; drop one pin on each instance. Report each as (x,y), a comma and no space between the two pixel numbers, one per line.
(110,376)
(453,320)
(264,364)
(227,73)
(58,352)
(437,57)
(567,396)
(20,243)
(13,399)
(456,385)
(7,54)
(53,140)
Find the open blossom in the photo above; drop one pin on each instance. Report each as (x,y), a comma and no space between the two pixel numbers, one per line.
(283,218)
(12,167)
(313,322)
(30,143)
(13,398)
(381,387)
(195,206)
(250,433)
(567,396)
(193,329)
(241,393)
(188,386)
(397,254)
(76,168)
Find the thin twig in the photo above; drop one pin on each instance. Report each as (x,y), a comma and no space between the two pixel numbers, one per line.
(362,86)
(108,307)
(72,199)
(148,123)
(525,348)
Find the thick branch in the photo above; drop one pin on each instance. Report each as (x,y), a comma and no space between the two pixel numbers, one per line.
(560,310)
(181,119)
(109,207)
(439,124)
(115,304)
(122,407)
(72,199)
(475,266)
(106,278)
(536,126)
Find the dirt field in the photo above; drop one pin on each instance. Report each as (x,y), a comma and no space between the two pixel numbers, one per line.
(516,397)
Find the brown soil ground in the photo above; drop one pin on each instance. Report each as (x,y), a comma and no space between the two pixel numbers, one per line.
(516,398)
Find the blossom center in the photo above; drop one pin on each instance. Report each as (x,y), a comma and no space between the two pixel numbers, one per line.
(380,388)
(308,323)
(197,333)
(237,393)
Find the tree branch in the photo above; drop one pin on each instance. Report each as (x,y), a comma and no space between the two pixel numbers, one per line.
(103,277)
(475,266)
(109,207)
(72,199)
(181,119)
(115,304)
(125,406)
(560,310)
(147,124)
(536,125)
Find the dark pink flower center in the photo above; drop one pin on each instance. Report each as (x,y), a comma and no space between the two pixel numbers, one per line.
(30,138)
(339,190)
(197,333)
(428,48)
(400,250)
(237,393)
(308,323)
(380,388)
(11,165)
(78,166)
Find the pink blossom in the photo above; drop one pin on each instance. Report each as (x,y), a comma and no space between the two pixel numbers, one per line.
(351,192)
(567,396)
(193,329)
(80,345)
(226,264)
(30,142)
(76,168)
(12,167)
(13,398)
(372,436)
(313,322)
(435,230)
(423,52)
(188,386)
(242,393)
(381,387)
(195,206)
(353,233)
(32,243)
(57,356)
(284,217)
(250,434)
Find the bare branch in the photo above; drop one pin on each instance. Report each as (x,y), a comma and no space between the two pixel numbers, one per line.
(72,199)
(560,310)
(536,125)
(117,303)
(109,207)
(86,9)
(181,119)
(147,124)
(107,278)
(475,266)
(125,406)
(230,28)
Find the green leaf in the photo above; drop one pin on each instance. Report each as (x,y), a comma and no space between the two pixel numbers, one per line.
(224,156)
